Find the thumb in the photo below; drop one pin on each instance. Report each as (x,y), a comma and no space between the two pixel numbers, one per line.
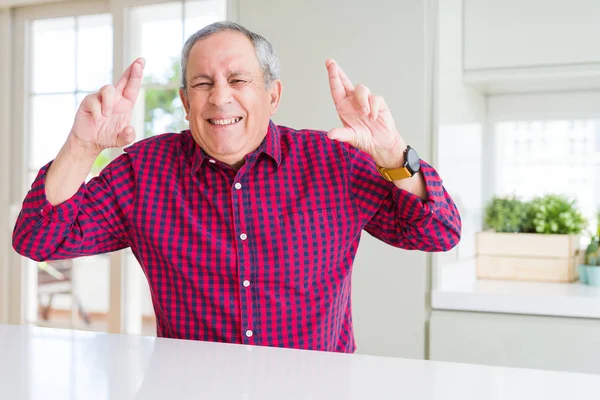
(126,136)
(346,135)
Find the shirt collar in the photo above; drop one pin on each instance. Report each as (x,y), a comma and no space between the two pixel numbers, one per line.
(271,146)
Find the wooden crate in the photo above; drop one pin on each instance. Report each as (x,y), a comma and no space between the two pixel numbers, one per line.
(528,256)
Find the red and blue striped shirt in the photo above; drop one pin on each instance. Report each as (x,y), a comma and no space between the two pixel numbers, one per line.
(261,255)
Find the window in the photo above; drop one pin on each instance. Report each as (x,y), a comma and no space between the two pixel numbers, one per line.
(70,58)
(546,143)
(555,156)
(160,30)
(67,51)
(530,145)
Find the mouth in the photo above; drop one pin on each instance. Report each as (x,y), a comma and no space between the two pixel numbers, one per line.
(224,121)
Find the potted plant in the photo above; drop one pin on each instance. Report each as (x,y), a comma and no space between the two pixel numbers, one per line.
(530,240)
(589,271)
(506,214)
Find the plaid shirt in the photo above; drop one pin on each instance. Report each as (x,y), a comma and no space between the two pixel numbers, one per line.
(262,255)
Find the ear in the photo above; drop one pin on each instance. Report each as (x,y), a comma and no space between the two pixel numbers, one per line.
(185,101)
(275,94)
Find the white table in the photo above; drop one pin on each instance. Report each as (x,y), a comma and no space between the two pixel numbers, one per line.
(42,363)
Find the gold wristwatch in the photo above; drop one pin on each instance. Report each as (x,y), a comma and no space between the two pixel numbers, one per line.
(412,165)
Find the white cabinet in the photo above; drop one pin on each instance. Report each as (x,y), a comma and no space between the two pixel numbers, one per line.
(523,341)
(532,33)
(522,42)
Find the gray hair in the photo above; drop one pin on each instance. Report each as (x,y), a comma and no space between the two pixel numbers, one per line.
(264,50)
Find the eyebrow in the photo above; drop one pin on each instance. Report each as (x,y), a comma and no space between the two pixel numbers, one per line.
(200,76)
(232,73)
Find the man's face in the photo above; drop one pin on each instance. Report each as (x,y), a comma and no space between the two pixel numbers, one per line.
(227,103)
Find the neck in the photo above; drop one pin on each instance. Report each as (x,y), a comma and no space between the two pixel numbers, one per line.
(237,165)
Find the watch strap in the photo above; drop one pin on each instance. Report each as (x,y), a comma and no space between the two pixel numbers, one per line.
(394,174)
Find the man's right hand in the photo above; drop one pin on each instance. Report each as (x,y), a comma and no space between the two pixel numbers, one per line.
(103,118)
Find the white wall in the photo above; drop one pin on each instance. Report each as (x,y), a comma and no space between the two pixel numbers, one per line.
(461,120)
(5,228)
(550,106)
(382,44)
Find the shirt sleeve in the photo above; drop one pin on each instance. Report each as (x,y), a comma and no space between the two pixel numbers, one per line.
(400,218)
(92,221)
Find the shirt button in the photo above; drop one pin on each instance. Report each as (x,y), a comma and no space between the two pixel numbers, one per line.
(243,236)
(211,161)
(238,186)
(249,333)
(246,283)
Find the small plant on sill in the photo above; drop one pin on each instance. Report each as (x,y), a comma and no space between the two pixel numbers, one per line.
(592,252)
(555,214)
(589,271)
(506,214)
(549,214)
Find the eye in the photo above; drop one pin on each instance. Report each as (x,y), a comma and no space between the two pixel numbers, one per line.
(202,85)
(238,82)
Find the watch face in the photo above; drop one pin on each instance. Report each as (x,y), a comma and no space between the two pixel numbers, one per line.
(412,159)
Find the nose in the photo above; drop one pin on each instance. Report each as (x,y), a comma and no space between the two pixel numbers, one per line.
(220,95)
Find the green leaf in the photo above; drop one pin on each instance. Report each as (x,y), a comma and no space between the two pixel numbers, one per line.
(549,214)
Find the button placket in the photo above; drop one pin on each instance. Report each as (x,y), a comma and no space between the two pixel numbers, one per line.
(240,208)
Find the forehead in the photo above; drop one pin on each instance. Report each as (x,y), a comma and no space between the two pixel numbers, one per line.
(224,50)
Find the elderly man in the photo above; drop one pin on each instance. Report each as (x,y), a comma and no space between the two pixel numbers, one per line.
(246,230)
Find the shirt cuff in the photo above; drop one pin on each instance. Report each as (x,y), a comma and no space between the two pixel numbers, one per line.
(37,203)
(412,207)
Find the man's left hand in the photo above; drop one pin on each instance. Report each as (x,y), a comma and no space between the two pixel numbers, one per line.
(367,121)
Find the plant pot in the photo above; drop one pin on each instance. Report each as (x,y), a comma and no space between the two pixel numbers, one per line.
(528,256)
(593,275)
(583,276)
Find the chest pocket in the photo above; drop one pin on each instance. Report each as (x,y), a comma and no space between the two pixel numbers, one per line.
(311,245)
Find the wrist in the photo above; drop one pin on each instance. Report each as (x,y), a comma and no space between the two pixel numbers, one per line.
(409,166)
(80,151)
(415,185)
(396,155)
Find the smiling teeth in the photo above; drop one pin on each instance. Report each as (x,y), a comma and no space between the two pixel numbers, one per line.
(225,121)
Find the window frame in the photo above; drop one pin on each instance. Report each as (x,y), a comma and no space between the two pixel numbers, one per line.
(124,283)
(20,276)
